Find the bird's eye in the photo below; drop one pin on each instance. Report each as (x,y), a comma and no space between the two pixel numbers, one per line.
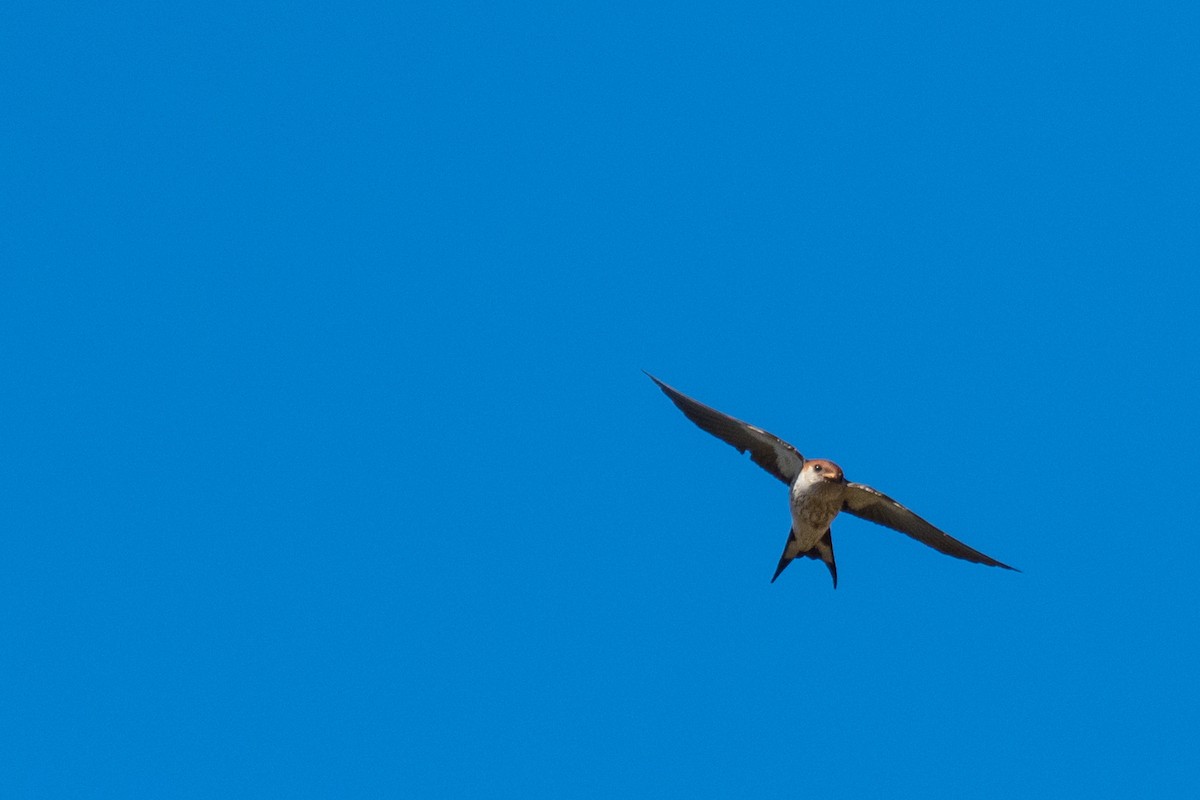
(817,468)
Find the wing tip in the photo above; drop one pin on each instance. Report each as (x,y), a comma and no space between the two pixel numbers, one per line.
(669,391)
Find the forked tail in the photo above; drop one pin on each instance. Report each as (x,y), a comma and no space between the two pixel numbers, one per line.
(823,551)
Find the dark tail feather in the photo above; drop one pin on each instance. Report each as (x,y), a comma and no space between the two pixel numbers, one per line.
(824,552)
(784,559)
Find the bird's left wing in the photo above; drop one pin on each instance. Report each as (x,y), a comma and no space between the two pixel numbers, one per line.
(863,501)
(767,450)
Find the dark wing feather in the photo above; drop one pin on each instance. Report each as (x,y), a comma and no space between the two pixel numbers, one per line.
(768,451)
(863,501)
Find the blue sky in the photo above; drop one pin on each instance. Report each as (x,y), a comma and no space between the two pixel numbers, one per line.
(329,467)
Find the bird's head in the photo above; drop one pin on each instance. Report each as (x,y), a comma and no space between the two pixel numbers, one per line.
(818,470)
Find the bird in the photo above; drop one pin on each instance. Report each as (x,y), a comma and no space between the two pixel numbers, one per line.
(818,492)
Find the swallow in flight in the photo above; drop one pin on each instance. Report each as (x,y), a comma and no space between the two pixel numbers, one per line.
(818,491)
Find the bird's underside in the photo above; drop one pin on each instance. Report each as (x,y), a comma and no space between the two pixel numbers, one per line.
(818,491)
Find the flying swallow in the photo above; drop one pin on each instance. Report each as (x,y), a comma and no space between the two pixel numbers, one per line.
(818,491)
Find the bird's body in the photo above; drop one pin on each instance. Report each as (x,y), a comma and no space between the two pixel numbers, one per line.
(815,503)
(816,495)
(818,491)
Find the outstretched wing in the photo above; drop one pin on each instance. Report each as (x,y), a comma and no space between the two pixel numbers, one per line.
(863,501)
(768,451)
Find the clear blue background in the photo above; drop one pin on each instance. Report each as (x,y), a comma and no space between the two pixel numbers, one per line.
(328,468)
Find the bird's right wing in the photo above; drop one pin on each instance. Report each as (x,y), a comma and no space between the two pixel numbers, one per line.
(871,504)
(767,450)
